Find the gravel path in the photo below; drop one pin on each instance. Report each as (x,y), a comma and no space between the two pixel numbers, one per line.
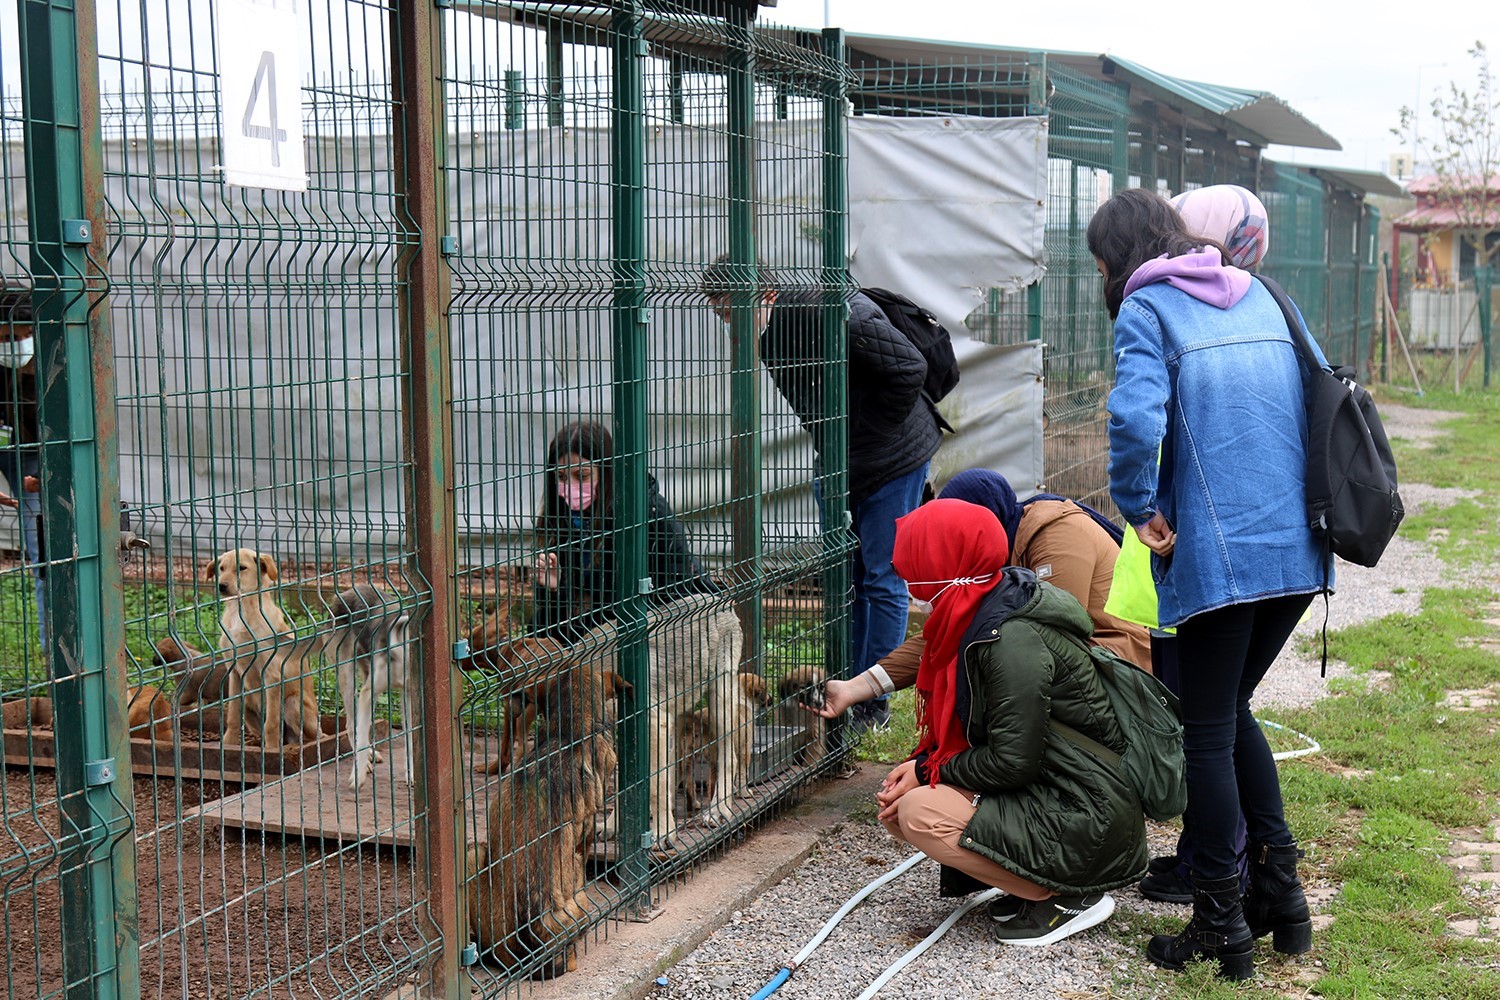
(742,956)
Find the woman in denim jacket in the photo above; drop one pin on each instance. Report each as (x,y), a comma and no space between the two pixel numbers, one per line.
(1206,375)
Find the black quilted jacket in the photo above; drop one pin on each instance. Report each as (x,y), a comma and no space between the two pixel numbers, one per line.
(892,428)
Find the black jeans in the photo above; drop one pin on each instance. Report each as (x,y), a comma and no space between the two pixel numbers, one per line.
(1230,771)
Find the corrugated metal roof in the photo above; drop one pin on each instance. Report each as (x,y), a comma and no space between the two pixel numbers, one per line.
(1361,181)
(1443,217)
(1261,114)
(1260,111)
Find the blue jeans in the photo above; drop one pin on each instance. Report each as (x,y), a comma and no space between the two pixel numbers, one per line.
(1230,770)
(878,617)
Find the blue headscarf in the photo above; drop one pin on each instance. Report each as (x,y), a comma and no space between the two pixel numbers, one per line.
(988,489)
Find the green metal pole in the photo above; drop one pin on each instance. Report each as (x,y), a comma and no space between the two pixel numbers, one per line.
(1385,328)
(630,318)
(554,76)
(515,99)
(100,937)
(1482,284)
(834,446)
(420,144)
(744,381)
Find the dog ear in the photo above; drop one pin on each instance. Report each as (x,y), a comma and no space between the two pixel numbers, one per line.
(212,570)
(268,567)
(617,683)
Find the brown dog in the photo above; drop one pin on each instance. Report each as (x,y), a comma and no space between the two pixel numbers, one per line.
(268,665)
(149,708)
(798,687)
(528,893)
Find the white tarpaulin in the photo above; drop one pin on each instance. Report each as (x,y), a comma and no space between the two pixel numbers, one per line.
(944,209)
(261,392)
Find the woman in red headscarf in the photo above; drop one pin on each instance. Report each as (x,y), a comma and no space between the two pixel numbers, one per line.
(993,790)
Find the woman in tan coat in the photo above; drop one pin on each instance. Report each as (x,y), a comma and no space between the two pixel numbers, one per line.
(1057,540)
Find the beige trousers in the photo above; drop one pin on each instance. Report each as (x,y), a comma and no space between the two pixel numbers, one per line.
(932,819)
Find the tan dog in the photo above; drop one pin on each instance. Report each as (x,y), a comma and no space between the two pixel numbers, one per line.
(798,687)
(527,895)
(268,666)
(149,708)
(695,742)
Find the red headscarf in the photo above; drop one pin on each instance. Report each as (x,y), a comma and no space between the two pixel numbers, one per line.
(951,553)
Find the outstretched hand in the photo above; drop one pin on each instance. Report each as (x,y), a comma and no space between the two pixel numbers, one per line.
(839,697)
(546,570)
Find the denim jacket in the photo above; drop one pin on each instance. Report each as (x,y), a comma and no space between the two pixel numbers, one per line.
(1220,390)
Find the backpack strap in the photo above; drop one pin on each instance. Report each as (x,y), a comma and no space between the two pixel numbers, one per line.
(1093,746)
(1300,338)
(1301,341)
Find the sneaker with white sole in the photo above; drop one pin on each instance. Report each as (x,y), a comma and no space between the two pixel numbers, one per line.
(1048,921)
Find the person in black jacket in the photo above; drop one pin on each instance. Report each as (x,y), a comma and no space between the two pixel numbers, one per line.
(575,538)
(893,433)
(19,458)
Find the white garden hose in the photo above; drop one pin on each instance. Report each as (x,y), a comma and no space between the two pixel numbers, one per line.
(843,911)
(927,942)
(1313,746)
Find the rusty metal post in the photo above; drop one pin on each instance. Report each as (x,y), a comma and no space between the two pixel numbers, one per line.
(80,498)
(420,149)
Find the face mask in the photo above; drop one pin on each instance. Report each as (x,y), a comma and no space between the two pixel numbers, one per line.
(961,581)
(16,353)
(577,495)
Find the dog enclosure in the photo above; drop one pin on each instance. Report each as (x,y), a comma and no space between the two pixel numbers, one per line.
(313,286)
(324,281)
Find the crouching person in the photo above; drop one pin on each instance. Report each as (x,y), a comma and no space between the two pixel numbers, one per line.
(994,790)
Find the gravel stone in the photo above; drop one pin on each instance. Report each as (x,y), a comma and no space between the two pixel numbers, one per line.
(968,962)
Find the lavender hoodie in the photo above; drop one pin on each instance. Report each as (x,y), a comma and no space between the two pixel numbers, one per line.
(1201,274)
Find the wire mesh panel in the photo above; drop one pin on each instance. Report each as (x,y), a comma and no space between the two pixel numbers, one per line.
(261,372)
(636,509)
(1087,153)
(1298,260)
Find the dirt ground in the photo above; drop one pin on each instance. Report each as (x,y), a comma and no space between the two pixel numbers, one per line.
(220,915)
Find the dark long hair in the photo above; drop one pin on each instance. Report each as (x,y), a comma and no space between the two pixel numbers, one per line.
(589,440)
(1133,227)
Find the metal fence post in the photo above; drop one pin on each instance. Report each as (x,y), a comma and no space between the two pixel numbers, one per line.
(80,495)
(744,381)
(835,430)
(1482,285)
(629,322)
(420,148)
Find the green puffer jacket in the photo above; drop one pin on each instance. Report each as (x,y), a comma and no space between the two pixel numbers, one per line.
(1049,810)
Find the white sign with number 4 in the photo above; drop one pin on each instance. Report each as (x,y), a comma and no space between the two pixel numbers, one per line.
(260,92)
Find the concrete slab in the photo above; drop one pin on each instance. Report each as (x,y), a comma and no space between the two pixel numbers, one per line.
(625,965)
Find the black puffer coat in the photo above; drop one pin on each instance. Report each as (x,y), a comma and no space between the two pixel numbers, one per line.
(893,429)
(587,570)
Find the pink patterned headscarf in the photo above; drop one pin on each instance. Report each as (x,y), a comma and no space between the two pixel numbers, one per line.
(1230,214)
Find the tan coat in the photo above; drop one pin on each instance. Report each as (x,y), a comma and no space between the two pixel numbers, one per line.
(1061,544)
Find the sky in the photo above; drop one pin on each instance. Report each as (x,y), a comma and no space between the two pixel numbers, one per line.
(1339,63)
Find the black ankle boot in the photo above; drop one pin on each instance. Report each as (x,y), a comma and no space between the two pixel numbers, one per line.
(1217,931)
(1275,904)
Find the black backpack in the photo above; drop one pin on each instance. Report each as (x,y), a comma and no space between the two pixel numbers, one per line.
(1352,502)
(928,336)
